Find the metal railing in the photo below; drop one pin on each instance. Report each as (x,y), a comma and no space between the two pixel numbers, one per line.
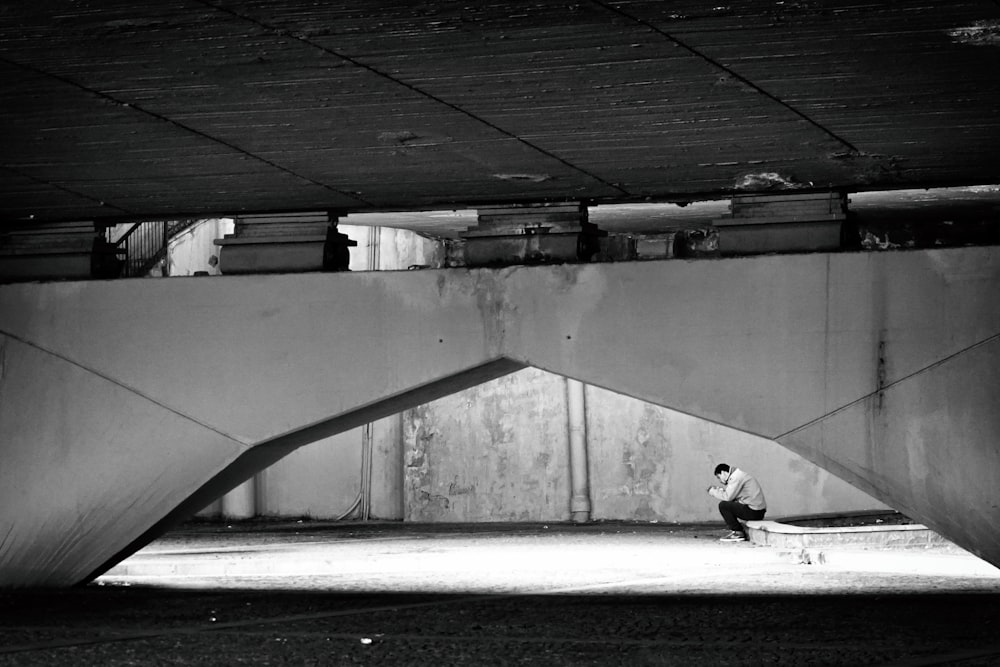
(145,244)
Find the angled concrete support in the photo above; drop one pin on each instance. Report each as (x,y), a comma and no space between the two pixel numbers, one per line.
(121,412)
(127,405)
(883,369)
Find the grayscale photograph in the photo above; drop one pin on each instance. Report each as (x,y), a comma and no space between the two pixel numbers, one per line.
(557,333)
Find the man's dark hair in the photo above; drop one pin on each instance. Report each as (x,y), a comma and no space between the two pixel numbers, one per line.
(722,467)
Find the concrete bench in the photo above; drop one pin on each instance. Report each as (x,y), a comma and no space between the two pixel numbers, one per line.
(787,536)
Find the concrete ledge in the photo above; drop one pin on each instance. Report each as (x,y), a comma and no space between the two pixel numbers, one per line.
(787,536)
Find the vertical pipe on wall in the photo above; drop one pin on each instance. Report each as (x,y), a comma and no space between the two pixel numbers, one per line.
(366,471)
(579,504)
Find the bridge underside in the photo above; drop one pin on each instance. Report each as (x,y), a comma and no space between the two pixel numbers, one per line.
(126,405)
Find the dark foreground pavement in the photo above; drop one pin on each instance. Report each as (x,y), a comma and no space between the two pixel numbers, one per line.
(389,594)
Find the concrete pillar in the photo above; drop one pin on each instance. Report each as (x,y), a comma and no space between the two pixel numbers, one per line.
(576,403)
(388,469)
(241,503)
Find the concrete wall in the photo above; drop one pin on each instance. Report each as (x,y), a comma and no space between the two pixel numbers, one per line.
(499,452)
(389,249)
(653,463)
(192,250)
(323,480)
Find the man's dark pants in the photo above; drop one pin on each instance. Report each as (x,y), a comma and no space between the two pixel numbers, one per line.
(733,511)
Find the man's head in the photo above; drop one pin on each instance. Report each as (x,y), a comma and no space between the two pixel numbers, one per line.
(722,472)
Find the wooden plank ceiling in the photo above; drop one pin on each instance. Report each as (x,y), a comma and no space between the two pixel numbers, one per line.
(184,107)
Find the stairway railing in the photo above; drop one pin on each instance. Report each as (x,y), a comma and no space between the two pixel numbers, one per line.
(145,244)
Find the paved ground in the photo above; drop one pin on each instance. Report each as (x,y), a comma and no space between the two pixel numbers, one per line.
(496,594)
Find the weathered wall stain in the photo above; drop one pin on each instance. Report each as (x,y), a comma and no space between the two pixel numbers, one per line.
(499,453)
(456,489)
(433,503)
(496,312)
(417,473)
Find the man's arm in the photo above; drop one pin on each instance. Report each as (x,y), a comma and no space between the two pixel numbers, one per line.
(733,490)
(730,491)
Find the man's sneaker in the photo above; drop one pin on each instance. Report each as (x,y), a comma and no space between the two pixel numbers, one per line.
(733,536)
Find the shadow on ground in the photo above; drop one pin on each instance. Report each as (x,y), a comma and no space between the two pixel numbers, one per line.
(135,625)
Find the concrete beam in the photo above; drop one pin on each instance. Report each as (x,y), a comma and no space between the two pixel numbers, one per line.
(127,405)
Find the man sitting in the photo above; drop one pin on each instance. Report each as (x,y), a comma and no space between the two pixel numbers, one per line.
(740,498)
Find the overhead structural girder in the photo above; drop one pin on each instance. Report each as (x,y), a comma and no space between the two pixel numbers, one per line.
(127,405)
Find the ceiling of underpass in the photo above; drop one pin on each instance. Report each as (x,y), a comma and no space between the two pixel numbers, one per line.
(182,108)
